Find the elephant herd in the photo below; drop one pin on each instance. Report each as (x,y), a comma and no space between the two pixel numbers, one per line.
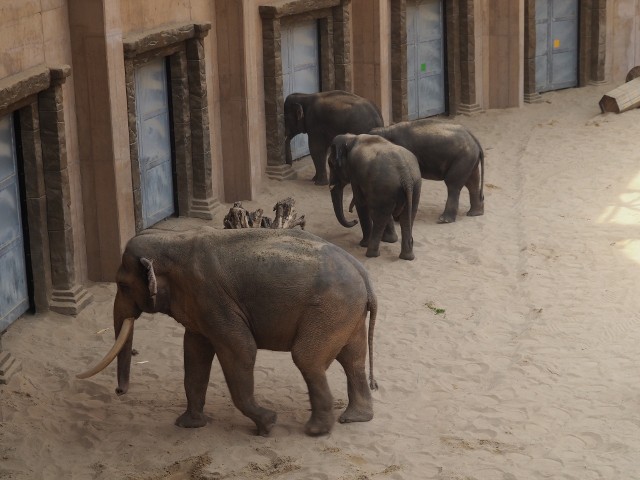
(237,291)
(384,165)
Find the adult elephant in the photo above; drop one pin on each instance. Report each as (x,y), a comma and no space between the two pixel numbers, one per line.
(445,151)
(322,116)
(385,179)
(236,291)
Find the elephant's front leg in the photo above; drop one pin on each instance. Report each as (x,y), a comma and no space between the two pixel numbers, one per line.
(364,219)
(318,150)
(380,220)
(390,235)
(237,361)
(198,356)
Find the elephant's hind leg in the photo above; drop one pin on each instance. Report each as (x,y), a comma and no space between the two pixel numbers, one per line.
(475,195)
(198,355)
(352,357)
(451,208)
(237,361)
(310,354)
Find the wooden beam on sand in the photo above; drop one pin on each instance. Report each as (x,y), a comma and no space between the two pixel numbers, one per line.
(623,98)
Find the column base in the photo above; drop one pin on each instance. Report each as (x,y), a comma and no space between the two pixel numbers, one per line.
(469,109)
(205,208)
(70,302)
(281,172)
(9,366)
(598,82)
(534,97)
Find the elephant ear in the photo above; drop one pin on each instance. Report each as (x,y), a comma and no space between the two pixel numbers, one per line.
(151,279)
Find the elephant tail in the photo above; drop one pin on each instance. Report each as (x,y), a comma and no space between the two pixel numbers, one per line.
(372,306)
(481,159)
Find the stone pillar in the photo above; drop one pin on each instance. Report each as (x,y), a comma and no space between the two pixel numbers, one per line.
(342,46)
(468,103)
(203,203)
(399,106)
(277,168)
(67,296)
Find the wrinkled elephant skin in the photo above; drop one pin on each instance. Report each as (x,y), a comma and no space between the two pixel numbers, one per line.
(385,180)
(322,116)
(236,291)
(445,151)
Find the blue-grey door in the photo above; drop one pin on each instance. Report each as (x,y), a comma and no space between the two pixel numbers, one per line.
(14,296)
(154,142)
(425,58)
(300,69)
(556,44)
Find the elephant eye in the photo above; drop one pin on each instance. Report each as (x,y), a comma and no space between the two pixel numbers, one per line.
(123,286)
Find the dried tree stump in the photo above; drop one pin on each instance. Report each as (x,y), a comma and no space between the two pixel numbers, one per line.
(286,217)
(623,98)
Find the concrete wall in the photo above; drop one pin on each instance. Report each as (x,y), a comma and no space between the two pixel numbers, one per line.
(623,38)
(35,32)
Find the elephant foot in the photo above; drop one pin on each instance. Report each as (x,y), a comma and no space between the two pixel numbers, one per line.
(320,180)
(189,420)
(390,237)
(372,253)
(446,218)
(475,212)
(363,413)
(407,255)
(319,424)
(266,422)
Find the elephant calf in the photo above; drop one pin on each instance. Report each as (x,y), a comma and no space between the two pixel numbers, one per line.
(236,291)
(386,182)
(445,151)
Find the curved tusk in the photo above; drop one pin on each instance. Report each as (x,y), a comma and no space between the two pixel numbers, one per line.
(125,333)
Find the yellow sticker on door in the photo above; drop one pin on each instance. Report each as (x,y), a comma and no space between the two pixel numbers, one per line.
(556,43)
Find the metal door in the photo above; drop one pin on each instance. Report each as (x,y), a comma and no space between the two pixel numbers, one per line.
(300,69)
(14,296)
(556,44)
(154,142)
(425,58)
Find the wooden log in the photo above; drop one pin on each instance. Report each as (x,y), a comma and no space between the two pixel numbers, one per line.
(623,98)
(286,217)
(633,73)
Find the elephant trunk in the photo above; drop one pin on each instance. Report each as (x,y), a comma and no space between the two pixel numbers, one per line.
(124,338)
(338,208)
(124,354)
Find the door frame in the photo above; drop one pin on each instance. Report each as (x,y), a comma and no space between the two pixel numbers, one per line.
(183,47)
(287,25)
(460,64)
(334,30)
(444,67)
(36,98)
(592,43)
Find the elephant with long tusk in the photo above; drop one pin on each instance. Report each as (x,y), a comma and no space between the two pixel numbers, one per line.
(236,291)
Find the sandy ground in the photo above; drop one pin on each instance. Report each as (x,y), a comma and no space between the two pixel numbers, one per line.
(509,349)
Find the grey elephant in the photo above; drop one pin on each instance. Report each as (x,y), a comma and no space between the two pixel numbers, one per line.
(323,116)
(236,291)
(445,151)
(385,179)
